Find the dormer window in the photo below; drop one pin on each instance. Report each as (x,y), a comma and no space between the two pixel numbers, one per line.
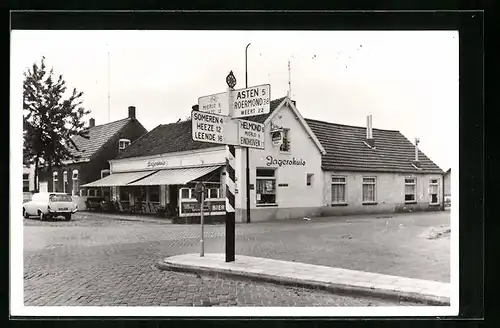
(122,144)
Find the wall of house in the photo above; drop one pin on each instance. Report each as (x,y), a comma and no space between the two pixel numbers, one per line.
(447,184)
(389,193)
(208,156)
(293,197)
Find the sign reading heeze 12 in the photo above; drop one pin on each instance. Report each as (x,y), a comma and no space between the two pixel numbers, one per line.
(213,128)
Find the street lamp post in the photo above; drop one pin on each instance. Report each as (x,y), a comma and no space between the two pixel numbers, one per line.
(247,151)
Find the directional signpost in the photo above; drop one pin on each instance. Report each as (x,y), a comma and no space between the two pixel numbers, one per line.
(217,120)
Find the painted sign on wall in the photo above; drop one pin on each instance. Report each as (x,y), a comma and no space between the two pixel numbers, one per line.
(156,163)
(284,162)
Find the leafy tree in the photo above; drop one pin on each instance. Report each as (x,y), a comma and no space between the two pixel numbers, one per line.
(50,119)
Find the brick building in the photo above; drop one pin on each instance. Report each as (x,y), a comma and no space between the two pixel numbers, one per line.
(105,142)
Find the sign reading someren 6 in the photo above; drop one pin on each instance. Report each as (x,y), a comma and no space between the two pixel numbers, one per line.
(252,101)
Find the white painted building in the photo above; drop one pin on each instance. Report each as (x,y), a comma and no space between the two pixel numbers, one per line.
(307,168)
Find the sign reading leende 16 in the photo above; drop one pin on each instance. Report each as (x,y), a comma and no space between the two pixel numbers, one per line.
(221,129)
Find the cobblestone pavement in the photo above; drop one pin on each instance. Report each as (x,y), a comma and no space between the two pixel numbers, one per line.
(97,261)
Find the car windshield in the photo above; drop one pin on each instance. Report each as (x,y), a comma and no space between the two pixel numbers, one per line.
(60,198)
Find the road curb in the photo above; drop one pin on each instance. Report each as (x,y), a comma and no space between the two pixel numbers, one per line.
(315,285)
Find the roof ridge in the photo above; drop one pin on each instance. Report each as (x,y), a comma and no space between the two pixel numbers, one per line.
(351,126)
(123,119)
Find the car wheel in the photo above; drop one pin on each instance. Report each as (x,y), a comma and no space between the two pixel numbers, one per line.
(25,214)
(67,217)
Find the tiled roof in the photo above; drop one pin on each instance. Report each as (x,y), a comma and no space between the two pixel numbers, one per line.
(98,136)
(176,137)
(262,118)
(346,150)
(165,138)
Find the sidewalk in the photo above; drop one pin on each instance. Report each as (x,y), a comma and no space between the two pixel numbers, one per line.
(124,216)
(313,276)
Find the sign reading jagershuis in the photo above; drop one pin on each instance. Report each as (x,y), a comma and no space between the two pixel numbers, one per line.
(252,101)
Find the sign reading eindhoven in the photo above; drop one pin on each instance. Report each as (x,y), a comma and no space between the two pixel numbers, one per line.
(252,101)
(250,134)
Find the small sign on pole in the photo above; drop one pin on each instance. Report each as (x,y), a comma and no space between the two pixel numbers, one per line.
(214,104)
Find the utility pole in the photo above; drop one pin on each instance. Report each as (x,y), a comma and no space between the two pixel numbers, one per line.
(109,93)
(247,151)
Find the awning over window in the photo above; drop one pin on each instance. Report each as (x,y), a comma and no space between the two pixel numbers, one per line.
(119,179)
(177,176)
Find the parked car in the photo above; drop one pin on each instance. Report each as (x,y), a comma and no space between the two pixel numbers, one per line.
(47,205)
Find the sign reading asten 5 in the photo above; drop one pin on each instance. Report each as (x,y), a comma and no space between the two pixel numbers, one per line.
(252,101)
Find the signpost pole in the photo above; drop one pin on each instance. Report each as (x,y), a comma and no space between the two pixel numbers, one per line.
(202,242)
(230,195)
(247,175)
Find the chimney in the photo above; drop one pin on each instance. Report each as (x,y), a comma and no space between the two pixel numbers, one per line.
(131,111)
(195,107)
(416,149)
(369,133)
(416,163)
(91,122)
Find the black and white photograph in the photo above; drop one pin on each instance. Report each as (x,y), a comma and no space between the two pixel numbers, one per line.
(234,172)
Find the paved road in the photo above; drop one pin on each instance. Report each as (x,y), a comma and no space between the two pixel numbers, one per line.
(93,260)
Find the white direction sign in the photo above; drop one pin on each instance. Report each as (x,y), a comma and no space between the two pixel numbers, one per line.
(252,101)
(213,128)
(250,134)
(215,104)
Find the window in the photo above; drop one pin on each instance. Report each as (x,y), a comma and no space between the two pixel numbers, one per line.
(434,191)
(98,192)
(369,187)
(154,193)
(91,193)
(185,193)
(83,192)
(285,145)
(338,190)
(106,193)
(76,188)
(26,182)
(104,173)
(54,181)
(192,193)
(213,193)
(122,144)
(123,194)
(309,179)
(266,187)
(410,190)
(60,198)
(65,181)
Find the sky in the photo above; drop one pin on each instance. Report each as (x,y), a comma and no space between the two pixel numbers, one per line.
(407,80)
